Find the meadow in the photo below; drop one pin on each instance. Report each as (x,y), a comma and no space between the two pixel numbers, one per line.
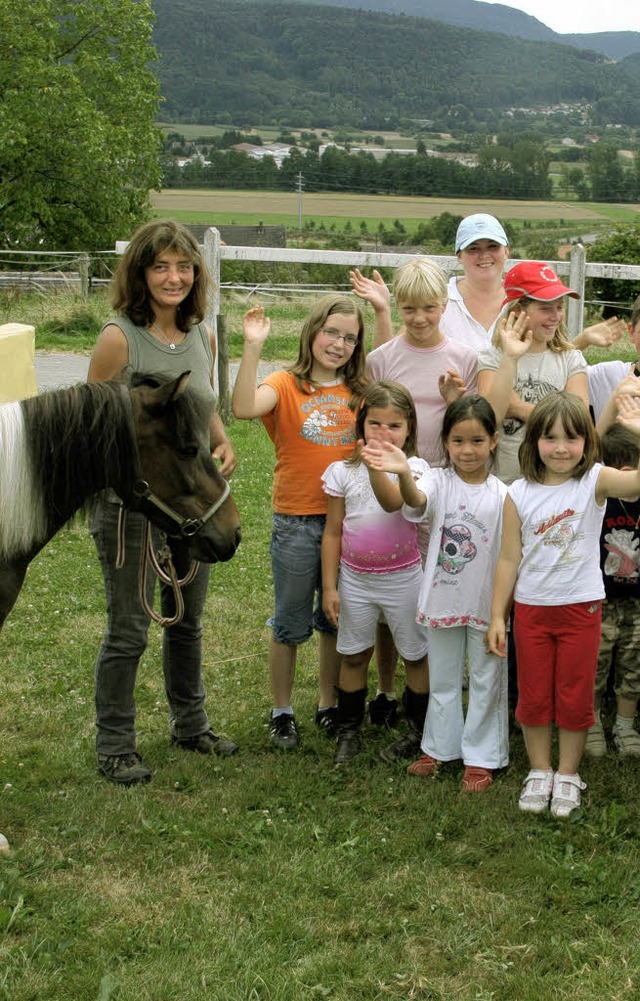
(273,876)
(273,208)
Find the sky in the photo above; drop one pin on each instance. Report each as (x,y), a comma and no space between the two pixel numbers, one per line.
(581,16)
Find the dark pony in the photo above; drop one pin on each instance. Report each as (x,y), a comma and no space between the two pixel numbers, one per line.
(136,436)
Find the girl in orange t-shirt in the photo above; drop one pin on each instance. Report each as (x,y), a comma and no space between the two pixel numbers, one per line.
(306,411)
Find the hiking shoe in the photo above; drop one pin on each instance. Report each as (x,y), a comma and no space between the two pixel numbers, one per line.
(626,742)
(383,711)
(327,720)
(348,744)
(206,743)
(405,746)
(426,765)
(124,769)
(536,791)
(566,796)
(596,743)
(283,731)
(476,779)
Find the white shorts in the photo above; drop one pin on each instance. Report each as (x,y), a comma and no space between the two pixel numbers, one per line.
(363,596)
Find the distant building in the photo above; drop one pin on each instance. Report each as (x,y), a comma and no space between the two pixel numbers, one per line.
(278,151)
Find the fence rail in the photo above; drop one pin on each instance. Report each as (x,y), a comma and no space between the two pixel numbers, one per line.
(576,270)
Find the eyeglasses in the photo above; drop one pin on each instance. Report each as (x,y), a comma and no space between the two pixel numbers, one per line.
(349,340)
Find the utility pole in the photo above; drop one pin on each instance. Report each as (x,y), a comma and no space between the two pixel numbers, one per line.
(299,187)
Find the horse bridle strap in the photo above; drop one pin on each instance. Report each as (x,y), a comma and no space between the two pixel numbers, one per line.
(187,527)
(163,567)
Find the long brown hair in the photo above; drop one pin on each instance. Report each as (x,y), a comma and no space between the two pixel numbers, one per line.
(381,393)
(577,423)
(352,373)
(129,291)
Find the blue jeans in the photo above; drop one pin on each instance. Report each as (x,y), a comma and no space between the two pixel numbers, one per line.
(297,578)
(125,639)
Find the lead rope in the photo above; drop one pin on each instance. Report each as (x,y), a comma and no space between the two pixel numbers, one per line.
(163,567)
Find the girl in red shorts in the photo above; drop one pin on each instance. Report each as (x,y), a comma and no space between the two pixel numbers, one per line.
(550,554)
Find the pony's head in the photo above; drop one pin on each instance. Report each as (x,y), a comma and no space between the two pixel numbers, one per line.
(181,490)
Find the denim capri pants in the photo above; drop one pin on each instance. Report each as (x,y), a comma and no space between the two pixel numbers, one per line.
(297,578)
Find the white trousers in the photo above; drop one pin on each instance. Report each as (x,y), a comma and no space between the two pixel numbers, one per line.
(482,739)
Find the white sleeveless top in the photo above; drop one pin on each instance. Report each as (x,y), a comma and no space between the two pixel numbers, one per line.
(560,541)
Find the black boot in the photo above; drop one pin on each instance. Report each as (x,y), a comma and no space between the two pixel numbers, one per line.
(350,716)
(408,744)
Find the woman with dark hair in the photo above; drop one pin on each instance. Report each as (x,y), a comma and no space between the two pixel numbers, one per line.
(159,294)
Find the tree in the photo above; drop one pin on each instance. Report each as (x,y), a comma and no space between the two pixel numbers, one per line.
(620,247)
(78,101)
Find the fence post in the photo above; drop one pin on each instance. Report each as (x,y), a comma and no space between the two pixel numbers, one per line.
(577,275)
(224,399)
(216,321)
(83,268)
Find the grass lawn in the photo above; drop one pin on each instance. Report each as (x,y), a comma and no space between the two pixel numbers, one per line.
(273,876)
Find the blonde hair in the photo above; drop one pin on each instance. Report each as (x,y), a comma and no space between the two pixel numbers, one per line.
(352,372)
(577,423)
(420,282)
(559,342)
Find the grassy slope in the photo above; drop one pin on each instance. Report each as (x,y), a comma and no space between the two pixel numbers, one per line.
(270,876)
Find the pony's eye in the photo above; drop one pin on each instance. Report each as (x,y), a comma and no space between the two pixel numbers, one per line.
(188,452)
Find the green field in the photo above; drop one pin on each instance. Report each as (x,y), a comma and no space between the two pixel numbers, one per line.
(331,210)
(273,876)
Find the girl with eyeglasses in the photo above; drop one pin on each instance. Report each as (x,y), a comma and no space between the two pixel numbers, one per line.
(307,411)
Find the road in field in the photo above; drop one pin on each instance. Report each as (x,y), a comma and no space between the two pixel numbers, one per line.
(363,206)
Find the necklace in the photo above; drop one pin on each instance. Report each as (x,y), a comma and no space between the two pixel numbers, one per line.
(167,340)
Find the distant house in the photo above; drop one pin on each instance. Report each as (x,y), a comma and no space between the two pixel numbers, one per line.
(243,236)
(278,151)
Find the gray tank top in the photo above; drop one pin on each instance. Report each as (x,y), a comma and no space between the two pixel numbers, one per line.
(149,355)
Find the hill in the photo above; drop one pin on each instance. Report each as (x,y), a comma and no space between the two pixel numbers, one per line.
(495,17)
(310,65)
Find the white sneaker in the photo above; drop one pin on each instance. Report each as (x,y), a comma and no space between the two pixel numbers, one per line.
(567,793)
(596,743)
(627,742)
(536,791)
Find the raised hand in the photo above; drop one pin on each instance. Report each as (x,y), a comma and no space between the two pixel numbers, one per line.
(373,290)
(603,334)
(451,386)
(256,326)
(515,336)
(629,413)
(384,457)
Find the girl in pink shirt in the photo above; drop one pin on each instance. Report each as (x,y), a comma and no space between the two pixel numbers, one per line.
(371,565)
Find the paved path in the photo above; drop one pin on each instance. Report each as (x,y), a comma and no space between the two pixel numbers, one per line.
(55,369)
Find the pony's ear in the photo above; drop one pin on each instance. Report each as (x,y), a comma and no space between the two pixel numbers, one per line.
(170,391)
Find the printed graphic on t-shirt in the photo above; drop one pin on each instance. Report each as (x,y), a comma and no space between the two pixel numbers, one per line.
(623,554)
(325,423)
(456,548)
(530,390)
(559,533)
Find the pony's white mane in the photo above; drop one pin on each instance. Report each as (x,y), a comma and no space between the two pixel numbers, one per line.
(23,519)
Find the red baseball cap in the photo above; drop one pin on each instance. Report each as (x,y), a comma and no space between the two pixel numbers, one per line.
(536,280)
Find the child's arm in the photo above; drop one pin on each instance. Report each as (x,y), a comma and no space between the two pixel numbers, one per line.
(504,579)
(629,385)
(619,482)
(497,386)
(601,335)
(386,458)
(375,291)
(331,549)
(249,401)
